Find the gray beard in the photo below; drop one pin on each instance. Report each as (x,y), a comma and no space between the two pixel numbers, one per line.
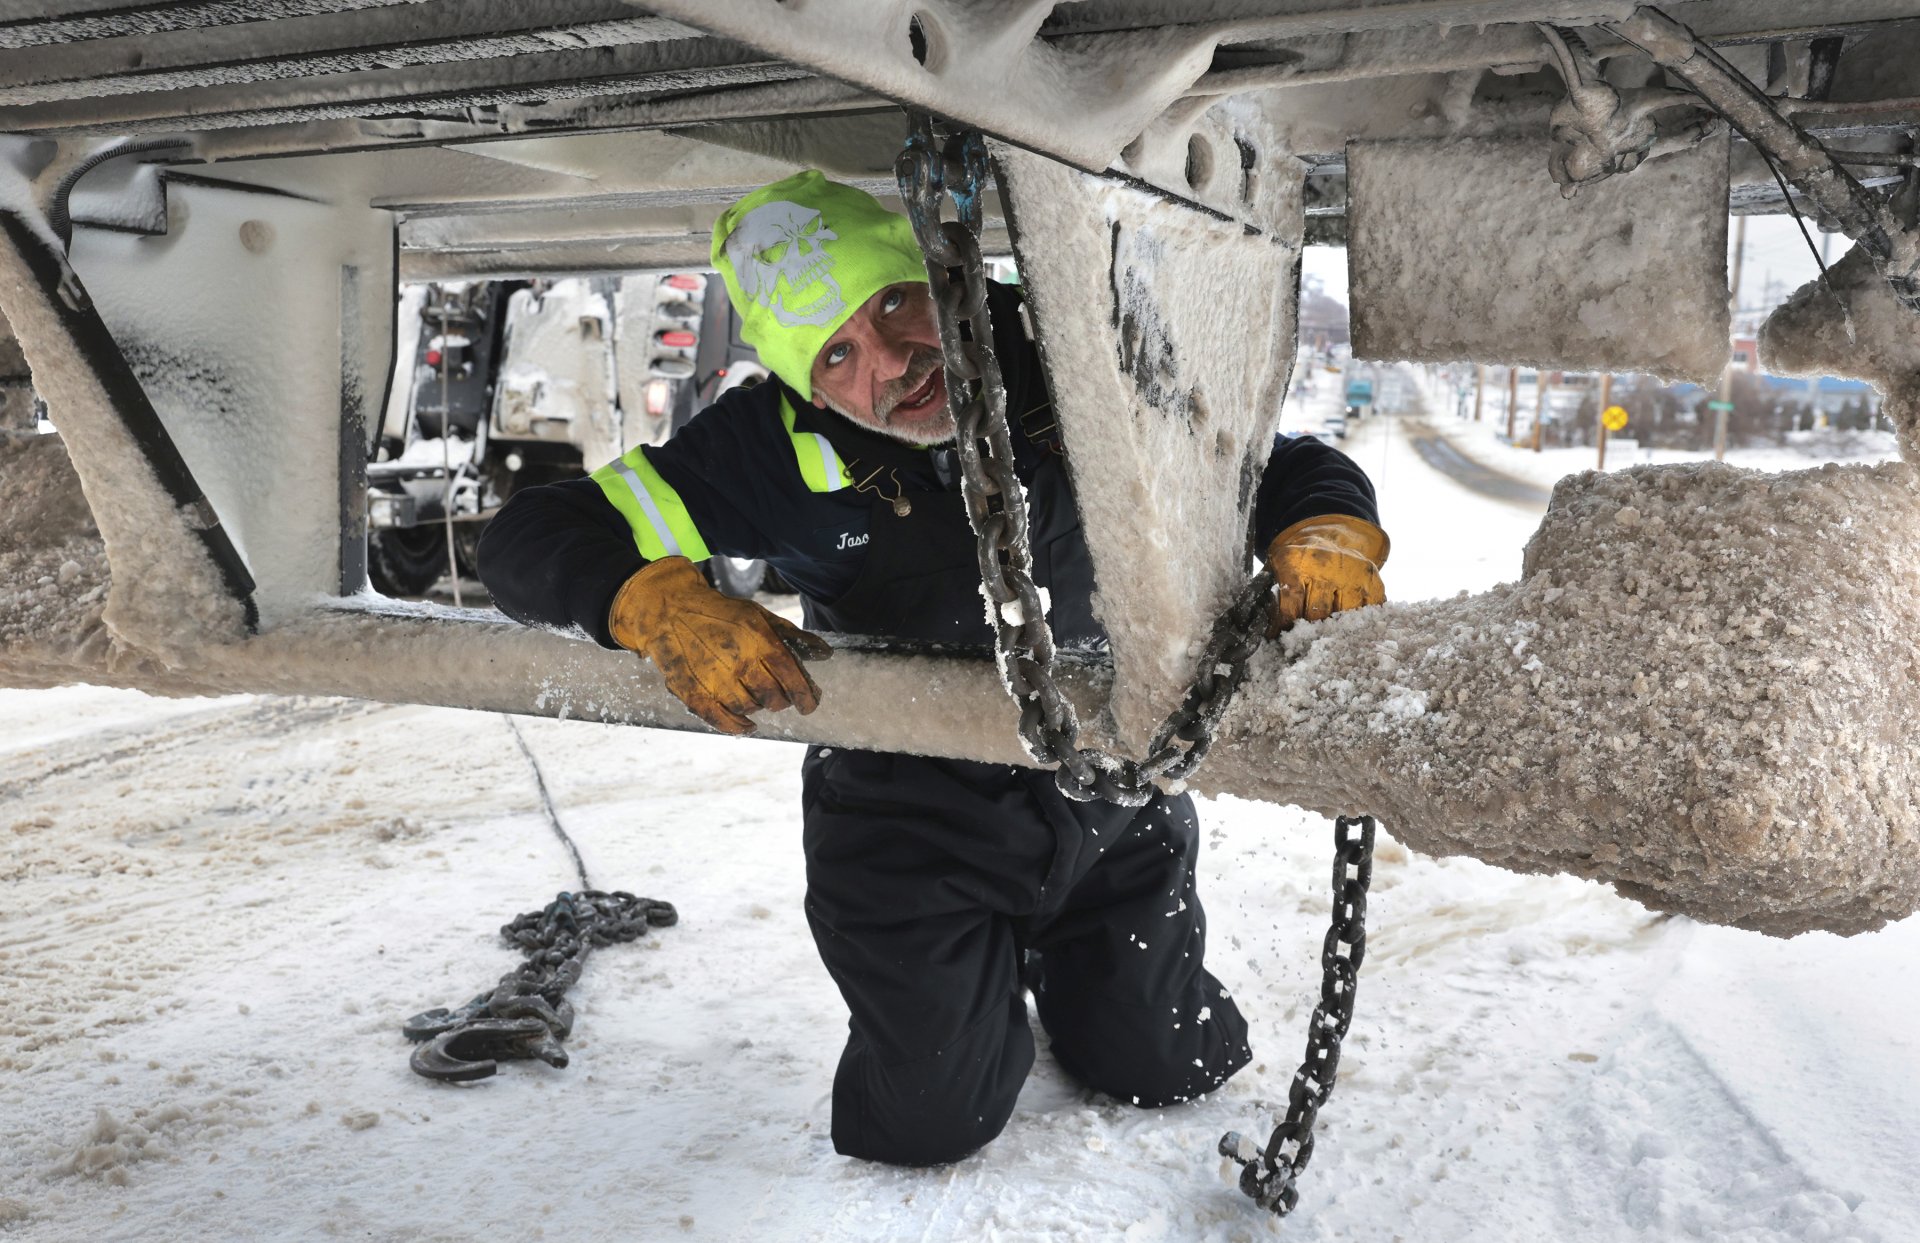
(888,430)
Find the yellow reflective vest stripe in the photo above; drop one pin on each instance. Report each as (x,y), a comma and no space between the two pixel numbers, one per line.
(658,517)
(820,466)
(661,525)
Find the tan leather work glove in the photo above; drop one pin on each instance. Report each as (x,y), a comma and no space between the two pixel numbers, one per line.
(723,658)
(1324,566)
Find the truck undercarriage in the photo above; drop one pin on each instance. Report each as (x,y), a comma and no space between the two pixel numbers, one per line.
(208,210)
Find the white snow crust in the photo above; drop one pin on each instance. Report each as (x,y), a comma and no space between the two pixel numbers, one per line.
(1698,690)
(1465,250)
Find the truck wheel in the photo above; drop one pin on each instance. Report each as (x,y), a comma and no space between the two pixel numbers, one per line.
(737,576)
(466,548)
(405,561)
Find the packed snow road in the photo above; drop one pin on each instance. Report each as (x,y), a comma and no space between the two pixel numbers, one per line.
(218,912)
(1436,451)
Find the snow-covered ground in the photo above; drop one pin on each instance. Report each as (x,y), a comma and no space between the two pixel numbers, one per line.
(218,912)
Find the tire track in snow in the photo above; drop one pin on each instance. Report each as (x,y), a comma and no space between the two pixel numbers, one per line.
(1666,1150)
(143,858)
(144,743)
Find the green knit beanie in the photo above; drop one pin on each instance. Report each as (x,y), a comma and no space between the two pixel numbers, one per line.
(802,255)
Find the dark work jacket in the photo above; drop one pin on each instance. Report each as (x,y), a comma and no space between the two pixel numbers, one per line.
(892,554)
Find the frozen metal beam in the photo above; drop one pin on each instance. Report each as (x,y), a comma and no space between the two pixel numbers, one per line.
(575,257)
(622,200)
(319,47)
(676,66)
(1760,20)
(73,21)
(1168,338)
(786,99)
(1081,98)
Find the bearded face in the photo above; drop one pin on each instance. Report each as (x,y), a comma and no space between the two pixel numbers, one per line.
(780,261)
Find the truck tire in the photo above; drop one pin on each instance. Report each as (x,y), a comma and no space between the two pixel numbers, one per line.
(736,576)
(405,561)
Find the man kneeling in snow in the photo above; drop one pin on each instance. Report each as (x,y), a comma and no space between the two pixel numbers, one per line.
(929,882)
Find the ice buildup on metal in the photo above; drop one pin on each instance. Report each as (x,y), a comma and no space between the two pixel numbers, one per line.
(1703,691)
(1168,337)
(1850,323)
(1465,250)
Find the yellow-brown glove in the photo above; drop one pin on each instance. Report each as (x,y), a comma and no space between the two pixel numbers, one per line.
(723,658)
(1325,565)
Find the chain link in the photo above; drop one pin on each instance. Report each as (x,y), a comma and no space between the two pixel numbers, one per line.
(997,507)
(1271,1175)
(527,1014)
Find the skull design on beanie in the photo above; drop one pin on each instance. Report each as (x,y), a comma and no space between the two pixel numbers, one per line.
(785,242)
(802,255)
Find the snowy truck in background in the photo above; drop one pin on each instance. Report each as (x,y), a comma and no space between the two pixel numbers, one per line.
(517,383)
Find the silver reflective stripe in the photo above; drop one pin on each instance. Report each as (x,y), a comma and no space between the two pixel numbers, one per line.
(831,461)
(654,515)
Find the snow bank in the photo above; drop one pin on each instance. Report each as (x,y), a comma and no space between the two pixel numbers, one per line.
(53,566)
(1702,691)
(1465,250)
(110,1145)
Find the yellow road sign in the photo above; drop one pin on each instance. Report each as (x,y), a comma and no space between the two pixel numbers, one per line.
(1614,418)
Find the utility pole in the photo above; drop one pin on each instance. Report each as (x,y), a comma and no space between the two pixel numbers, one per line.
(1540,392)
(1600,413)
(1513,396)
(1479,388)
(1725,404)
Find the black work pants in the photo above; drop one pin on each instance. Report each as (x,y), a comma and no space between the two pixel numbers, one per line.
(927,882)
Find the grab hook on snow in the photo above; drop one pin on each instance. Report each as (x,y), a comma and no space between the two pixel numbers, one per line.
(467,1050)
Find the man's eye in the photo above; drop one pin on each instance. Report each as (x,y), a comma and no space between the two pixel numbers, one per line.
(892,302)
(836,354)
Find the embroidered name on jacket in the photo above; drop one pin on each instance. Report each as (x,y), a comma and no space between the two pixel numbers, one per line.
(849,540)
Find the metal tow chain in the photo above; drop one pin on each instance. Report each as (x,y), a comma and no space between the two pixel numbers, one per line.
(527,1015)
(1023,641)
(997,507)
(1270,1175)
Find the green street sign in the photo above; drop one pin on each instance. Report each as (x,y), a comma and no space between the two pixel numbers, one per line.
(1719,405)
